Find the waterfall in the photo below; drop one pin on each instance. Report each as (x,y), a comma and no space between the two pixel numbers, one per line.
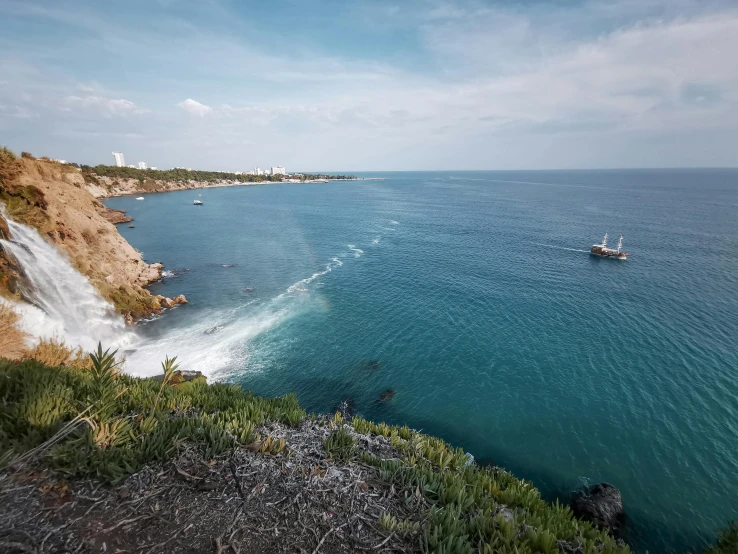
(64,305)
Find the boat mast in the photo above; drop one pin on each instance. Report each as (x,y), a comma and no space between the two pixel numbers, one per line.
(604,241)
(620,243)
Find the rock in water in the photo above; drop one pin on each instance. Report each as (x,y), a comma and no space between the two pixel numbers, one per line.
(346,408)
(601,505)
(386,396)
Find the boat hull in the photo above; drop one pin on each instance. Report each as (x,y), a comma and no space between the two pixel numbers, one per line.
(607,253)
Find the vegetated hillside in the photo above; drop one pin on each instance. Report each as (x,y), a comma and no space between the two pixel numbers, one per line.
(53,199)
(106,180)
(192,467)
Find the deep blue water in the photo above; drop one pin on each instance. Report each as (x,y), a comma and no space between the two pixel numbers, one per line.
(498,331)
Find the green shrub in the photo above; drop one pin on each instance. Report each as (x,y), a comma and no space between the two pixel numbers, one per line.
(98,422)
(340,444)
(727,542)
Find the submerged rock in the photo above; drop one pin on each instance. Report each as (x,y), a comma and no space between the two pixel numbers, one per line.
(601,505)
(387,395)
(346,408)
(181,376)
(213,330)
(373,365)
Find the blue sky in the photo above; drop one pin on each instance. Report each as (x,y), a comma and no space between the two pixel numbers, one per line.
(372,85)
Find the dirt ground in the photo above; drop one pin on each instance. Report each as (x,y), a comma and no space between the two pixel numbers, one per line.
(247,502)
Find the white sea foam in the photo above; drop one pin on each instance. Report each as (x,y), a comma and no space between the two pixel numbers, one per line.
(212,353)
(357,251)
(301,286)
(219,342)
(167,273)
(393,222)
(376,240)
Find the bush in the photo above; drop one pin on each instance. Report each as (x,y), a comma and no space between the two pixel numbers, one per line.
(340,445)
(94,421)
(27,155)
(12,339)
(56,353)
(727,542)
(10,168)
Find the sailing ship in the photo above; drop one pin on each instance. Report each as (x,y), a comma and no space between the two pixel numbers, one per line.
(198,202)
(605,252)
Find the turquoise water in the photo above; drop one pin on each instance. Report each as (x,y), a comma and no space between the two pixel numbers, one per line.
(473,296)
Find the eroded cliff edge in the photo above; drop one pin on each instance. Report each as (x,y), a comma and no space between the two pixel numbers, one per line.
(53,198)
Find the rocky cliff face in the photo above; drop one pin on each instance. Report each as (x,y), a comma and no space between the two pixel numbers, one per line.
(104,187)
(54,199)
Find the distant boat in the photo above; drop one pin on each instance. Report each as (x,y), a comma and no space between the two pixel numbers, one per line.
(605,252)
(140,198)
(198,202)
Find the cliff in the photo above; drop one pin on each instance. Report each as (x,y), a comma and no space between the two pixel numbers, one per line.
(104,187)
(55,200)
(191,467)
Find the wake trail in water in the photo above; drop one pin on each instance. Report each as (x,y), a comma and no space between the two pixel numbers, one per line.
(563,248)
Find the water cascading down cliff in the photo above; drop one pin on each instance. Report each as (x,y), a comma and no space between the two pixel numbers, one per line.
(62,304)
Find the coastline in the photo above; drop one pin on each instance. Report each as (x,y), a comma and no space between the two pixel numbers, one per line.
(174,186)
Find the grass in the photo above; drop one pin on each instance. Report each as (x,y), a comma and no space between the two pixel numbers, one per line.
(55,353)
(340,445)
(12,340)
(119,423)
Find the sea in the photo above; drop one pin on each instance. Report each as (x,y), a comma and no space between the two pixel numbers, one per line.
(474,298)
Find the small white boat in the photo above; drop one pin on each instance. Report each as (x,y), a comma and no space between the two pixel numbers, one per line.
(140,198)
(198,202)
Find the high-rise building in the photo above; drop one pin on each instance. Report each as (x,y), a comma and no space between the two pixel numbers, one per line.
(279,170)
(119,159)
(258,171)
(142,165)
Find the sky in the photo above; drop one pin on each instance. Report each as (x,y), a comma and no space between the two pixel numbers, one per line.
(372,85)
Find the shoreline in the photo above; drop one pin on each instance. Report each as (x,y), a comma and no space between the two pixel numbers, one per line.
(228,185)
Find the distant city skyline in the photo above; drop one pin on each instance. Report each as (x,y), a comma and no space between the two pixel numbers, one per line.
(119,161)
(381,85)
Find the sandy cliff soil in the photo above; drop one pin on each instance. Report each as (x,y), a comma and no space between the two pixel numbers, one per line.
(104,187)
(55,200)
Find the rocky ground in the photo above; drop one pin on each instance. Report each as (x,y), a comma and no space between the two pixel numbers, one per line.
(298,501)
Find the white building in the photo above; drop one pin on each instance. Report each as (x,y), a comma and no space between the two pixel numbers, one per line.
(119,159)
(153,168)
(279,170)
(257,171)
(142,165)
(132,166)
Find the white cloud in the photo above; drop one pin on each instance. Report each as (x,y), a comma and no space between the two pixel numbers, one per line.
(107,107)
(194,107)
